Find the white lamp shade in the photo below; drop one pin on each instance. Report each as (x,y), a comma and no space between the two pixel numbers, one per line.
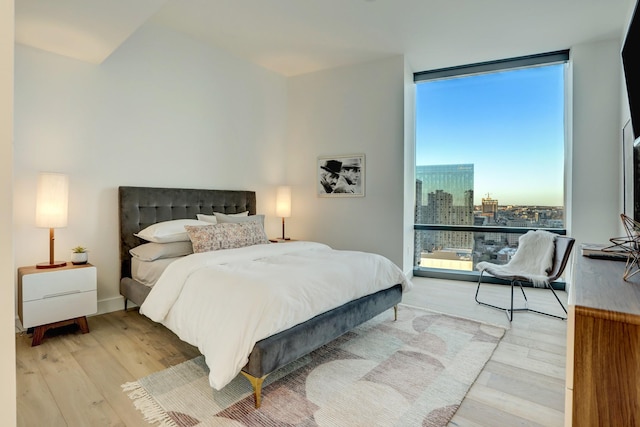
(283,202)
(52,200)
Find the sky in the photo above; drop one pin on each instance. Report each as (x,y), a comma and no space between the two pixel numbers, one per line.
(510,125)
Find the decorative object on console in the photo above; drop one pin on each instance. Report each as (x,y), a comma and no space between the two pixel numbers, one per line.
(283,205)
(51,209)
(341,176)
(79,255)
(603,251)
(630,244)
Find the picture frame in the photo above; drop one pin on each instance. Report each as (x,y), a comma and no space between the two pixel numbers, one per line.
(628,168)
(340,176)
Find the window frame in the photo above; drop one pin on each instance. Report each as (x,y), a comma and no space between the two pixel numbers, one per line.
(542,59)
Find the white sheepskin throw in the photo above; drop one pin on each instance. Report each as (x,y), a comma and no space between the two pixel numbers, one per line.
(533,260)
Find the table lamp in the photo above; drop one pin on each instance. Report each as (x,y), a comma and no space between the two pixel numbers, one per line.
(283,205)
(51,209)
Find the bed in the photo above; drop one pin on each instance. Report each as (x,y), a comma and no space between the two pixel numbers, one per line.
(140,207)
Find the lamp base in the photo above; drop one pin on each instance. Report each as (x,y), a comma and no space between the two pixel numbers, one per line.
(55,264)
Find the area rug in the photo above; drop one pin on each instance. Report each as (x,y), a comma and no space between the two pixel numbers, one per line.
(411,372)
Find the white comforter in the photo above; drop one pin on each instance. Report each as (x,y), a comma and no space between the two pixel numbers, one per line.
(225,301)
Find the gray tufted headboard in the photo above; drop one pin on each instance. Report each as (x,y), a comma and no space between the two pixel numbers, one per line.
(140,207)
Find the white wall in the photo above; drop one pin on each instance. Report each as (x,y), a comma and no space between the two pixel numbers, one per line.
(7,295)
(409,169)
(163,110)
(348,110)
(597,143)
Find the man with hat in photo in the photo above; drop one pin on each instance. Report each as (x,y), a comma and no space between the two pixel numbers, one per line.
(330,174)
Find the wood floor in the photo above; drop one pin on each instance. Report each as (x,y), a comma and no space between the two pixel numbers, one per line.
(523,382)
(74,379)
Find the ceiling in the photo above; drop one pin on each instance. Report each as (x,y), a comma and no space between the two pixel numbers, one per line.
(293,37)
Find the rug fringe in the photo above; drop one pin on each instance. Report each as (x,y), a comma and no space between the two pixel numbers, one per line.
(146,404)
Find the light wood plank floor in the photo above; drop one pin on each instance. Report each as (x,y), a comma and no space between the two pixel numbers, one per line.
(74,380)
(523,382)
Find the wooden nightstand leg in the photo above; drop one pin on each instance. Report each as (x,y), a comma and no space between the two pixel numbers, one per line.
(38,334)
(82,323)
(39,331)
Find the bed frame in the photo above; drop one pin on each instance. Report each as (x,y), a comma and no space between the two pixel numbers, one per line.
(140,207)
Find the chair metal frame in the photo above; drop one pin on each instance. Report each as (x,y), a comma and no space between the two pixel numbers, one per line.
(562,252)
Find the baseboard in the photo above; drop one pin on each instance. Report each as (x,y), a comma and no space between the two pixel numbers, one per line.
(113,304)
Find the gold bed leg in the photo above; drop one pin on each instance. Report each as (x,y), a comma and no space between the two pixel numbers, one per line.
(256,383)
(395,312)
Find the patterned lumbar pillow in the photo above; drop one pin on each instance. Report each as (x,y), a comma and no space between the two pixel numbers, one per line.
(226,236)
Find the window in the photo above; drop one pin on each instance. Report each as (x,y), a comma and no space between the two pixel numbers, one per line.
(490,142)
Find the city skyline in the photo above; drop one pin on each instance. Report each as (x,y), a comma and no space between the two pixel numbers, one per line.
(509,125)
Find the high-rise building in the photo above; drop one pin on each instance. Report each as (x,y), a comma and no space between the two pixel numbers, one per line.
(490,208)
(448,193)
(456,180)
(419,214)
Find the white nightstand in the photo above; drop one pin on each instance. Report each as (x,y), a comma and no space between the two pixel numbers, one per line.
(49,298)
(280,240)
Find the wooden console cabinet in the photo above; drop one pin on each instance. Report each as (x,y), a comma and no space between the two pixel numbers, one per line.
(603,346)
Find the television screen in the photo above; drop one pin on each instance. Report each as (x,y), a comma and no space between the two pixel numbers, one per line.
(631,67)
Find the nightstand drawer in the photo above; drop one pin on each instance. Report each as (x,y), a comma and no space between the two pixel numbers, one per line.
(50,284)
(62,307)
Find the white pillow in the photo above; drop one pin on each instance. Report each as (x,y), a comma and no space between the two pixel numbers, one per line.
(212,218)
(153,251)
(148,272)
(222,218)
(168,231)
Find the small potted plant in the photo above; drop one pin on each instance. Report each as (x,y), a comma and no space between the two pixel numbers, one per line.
(79,255)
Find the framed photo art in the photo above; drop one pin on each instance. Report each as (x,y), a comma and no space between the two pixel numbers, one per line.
(340,176)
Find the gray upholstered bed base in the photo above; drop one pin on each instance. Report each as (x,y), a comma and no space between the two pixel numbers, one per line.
(140,207)
(133,291)
(282,348)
